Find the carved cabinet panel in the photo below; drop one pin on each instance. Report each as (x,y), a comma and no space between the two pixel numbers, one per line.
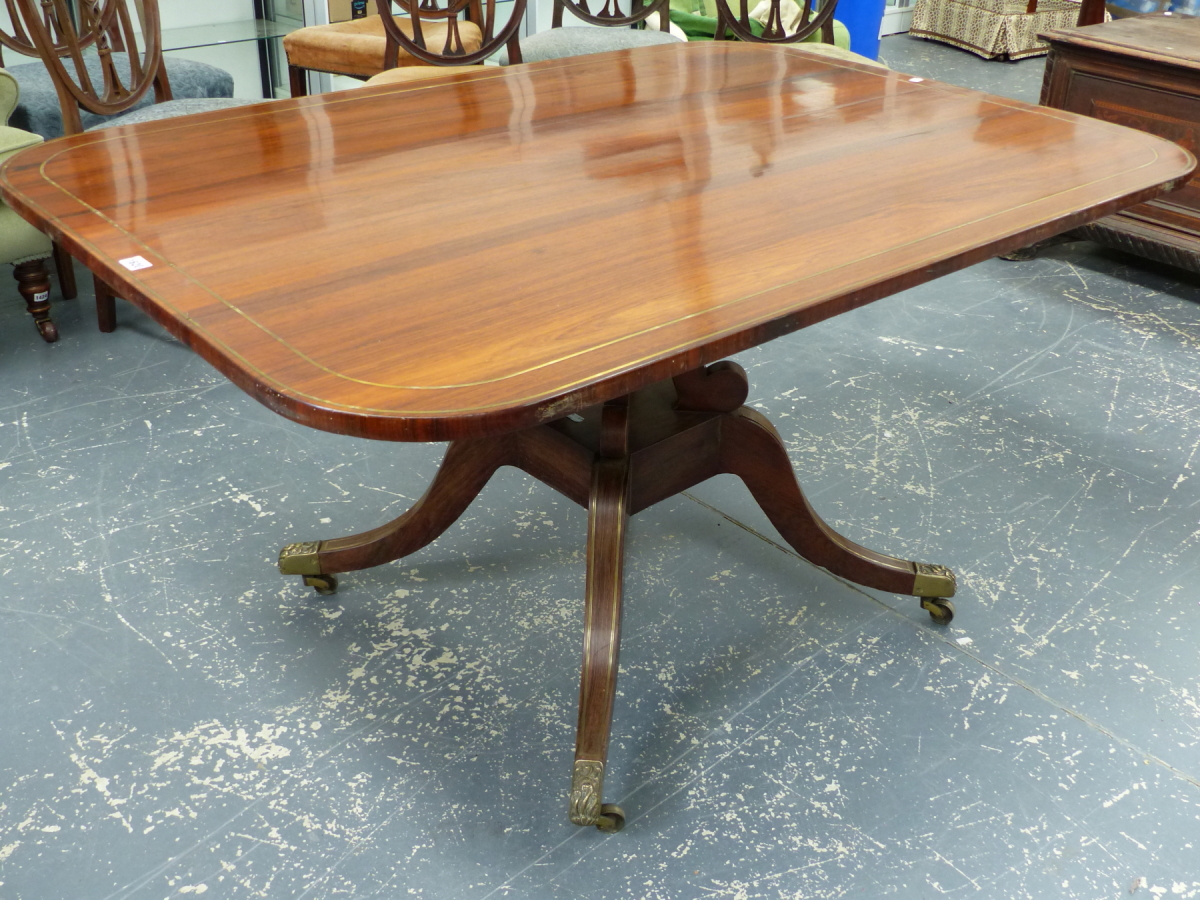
(1144,73)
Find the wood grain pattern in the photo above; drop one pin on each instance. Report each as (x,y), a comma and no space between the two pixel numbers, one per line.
(755,189)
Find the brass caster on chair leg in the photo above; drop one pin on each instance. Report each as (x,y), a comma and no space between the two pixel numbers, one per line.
(322,584)
(940,609)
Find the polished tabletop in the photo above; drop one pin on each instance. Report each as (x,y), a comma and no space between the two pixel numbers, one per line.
(482,252)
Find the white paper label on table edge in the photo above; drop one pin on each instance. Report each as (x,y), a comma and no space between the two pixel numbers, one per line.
(133,263)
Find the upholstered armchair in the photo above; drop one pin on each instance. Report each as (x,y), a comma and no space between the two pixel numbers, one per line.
(22,245)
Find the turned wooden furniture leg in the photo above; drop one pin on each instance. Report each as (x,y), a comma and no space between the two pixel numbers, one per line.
(463,474)
(33,281)
(64,265)
(752,450)
(608,515)
(106,306)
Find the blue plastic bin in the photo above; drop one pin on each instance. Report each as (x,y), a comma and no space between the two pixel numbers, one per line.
(863,18)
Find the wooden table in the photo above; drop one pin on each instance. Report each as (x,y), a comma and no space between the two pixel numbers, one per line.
(1143,72)
(546,264)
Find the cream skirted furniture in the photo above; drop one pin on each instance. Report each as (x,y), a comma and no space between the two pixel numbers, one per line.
(22,245)
(359,48)
(1005,29)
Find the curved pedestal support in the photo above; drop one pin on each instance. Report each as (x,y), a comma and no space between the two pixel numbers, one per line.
(608,514)
(465,472)
(617,460)
(752,450)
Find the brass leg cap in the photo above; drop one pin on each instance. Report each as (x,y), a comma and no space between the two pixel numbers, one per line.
(301,559)
(587,783)
(933,581)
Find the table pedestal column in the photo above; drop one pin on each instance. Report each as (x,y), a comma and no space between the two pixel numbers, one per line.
(616,460)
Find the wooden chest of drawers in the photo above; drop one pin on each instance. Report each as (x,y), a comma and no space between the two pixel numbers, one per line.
(1143,72)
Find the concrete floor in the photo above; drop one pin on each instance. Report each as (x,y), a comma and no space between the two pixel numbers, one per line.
(180,720)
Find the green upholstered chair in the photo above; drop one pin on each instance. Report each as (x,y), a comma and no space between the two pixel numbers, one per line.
(810,25)
(22,245)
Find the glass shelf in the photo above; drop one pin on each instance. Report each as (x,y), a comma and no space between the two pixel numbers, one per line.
(224,33)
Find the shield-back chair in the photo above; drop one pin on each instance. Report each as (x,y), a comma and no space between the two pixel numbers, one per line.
(105,60)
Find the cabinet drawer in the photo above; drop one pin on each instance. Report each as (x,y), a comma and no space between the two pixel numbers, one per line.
(1174,116)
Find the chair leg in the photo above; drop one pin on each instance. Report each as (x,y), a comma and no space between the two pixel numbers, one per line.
(33,281)
(64,265)
(106,306)
(298,81)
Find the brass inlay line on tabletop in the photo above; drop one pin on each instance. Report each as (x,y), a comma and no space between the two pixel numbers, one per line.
(632,364)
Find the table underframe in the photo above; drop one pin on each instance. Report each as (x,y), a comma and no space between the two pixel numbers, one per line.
(616,460)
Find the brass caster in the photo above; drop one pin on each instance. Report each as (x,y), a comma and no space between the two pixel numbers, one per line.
(323,584)
(940,609)
(612,818)
(48,330)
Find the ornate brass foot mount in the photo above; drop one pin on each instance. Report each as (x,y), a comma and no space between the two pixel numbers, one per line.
(935,585)
(304,559)
(587,787)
